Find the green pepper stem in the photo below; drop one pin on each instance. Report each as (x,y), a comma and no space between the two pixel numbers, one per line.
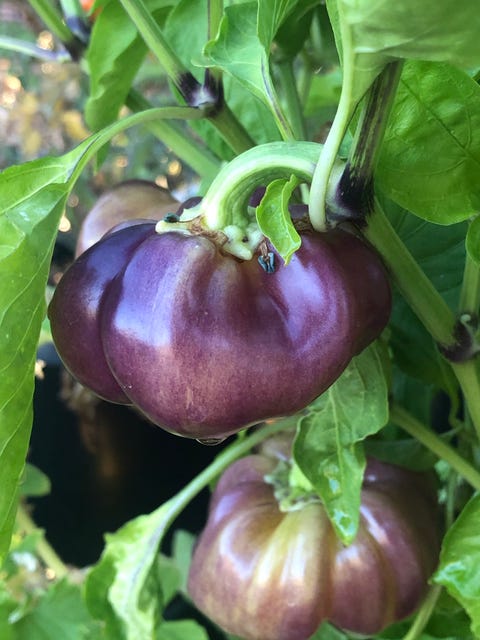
(326,162)
(355,189)
(194,93)
(225,205)
(402,418)
(153,37)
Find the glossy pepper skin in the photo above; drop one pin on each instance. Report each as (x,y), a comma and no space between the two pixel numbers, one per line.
(205,344)
(127,201)
(264,574)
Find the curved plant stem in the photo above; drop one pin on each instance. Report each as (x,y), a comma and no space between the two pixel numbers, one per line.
(171,509)
(45,551)
(197,156)
(32,50)
(424,613)
(96,141)
(345,109)
(436,445)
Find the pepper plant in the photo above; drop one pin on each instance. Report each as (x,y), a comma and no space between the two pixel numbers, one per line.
(365,117)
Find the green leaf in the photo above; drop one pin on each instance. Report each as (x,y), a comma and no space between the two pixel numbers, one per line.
(181,630)
(472,242)
(274,218)
(327,446)
(7,607)
(375,32)
(114,55)
(459,562)
(271,14)
(189,44)
(430,158)
(60,613)
(126,588)
(327,632)
(238,51)
(292,33)
(35,482)
(32,200)
(30,211)
(437,30)
(440,252)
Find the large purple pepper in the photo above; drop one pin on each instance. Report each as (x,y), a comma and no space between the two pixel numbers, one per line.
(205,344)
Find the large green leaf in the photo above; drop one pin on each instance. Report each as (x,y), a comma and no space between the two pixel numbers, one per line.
(430,158)
(32,200)
(327,446)
(271,14)
(372,33)
(459,561)
(238,51)
(189,44)
(30,211)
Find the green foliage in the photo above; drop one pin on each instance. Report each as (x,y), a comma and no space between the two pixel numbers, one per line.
(60,613)
(431,151)
(34,482)
(459,561)
(280,228)
(427,166)
(328,446)
(132,584)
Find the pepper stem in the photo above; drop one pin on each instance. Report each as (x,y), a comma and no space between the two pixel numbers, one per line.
(225,205)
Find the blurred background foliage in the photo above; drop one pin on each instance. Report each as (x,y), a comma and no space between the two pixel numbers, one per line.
(41,113)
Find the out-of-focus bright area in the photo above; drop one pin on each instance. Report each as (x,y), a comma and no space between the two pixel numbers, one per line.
(41,113)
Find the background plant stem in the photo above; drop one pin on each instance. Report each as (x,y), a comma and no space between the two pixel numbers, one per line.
(187,148)
(423,615)
(402,418)
(414,285)
(294,108)
(191,90)
(52,19)
(470,292)
(45,551)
